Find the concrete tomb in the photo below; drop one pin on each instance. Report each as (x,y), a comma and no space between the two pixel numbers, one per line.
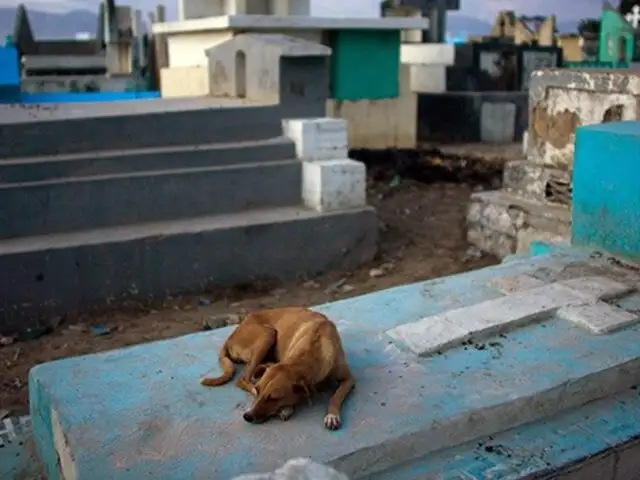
(534,203)
(272,68)
(109,62)
(438,364)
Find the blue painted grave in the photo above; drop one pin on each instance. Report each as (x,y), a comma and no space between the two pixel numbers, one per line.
(517,355)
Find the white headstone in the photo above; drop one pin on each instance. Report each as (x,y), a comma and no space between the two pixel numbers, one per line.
(633,17)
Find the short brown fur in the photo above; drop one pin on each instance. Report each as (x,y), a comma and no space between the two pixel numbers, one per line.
(308,352)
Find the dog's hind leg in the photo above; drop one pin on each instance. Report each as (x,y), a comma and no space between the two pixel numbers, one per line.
(346,383)
(264,339)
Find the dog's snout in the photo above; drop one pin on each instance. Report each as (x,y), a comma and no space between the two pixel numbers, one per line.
(248,417)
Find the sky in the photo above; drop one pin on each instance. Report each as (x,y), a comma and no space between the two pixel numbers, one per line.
(481,9)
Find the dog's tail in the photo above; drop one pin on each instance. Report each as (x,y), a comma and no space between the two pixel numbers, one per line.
(227,367)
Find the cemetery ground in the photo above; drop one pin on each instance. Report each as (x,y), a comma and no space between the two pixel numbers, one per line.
(421,199)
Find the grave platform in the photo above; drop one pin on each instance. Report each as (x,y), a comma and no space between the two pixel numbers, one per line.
(437,364)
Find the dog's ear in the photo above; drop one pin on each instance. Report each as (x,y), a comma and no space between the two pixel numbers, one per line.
(260,369)
(301,388)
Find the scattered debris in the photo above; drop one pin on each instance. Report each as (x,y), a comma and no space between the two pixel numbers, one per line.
(4,414)
(347,288)
(34,333)
(382,270)
(99,330)
(6,341)
(311,284)
(17,354)
(203,302)
(335,287)
(376,273)
(396,181)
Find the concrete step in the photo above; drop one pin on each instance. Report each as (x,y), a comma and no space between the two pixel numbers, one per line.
(54,206)
(537,182)
(539,364)
(503,223)
(79,270)
(145,159)
(59,129)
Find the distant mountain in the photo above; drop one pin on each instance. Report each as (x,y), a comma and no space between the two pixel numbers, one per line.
(48,25)
(458,23)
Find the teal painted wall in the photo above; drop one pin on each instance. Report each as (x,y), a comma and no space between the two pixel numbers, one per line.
(615,33)
(365,64)
(605,207)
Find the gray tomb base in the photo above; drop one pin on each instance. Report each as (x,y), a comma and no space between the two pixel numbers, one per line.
(458,116)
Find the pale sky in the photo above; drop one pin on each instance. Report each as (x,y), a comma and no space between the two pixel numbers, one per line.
(481,9)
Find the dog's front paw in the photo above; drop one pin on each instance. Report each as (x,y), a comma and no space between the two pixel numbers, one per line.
(285,413)
(331,421)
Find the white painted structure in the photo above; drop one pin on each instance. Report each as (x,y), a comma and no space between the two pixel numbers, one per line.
(331,181)
(428,63)
(206,23)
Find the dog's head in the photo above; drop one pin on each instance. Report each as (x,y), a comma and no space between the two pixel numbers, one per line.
(277,389)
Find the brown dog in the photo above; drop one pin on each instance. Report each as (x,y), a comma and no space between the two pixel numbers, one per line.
(308,352)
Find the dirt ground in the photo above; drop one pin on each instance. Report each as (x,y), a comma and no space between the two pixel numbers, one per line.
(421,202)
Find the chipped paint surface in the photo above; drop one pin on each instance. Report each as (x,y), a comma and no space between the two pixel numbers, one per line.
(561,100)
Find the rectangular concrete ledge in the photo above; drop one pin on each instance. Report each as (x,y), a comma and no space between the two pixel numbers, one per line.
(73,204)
(318,138)
(225,22)
(599,318)
(428,54)
(78,128)
(329,185)
(46,167)
(80,270)
(437,333)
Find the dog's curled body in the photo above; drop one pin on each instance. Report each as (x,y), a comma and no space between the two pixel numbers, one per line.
(306,349)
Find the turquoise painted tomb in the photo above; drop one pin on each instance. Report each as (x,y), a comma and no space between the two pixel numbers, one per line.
(519,369)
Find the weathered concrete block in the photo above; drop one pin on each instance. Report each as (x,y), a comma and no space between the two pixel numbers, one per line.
(428,78)
(428,54)
(488,240)
(443,331)
(318,138)
(537,182)
(329,185)
(497,122)
(560,100)
(498,221)
(599,318)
